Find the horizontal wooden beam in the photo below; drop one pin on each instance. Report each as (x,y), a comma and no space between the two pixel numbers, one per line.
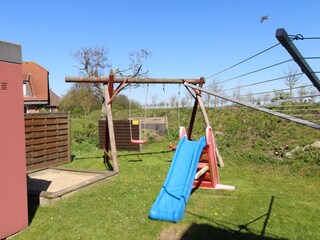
(134,80)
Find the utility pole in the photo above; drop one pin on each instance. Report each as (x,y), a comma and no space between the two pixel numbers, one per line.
(287,43)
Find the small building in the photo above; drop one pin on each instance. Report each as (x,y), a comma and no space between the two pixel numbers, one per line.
(36,93)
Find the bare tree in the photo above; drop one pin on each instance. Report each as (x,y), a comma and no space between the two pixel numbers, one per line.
(291,77)
(136,59)
(136,67)
(92,60)
(92,63)
(237,92)
(216,87)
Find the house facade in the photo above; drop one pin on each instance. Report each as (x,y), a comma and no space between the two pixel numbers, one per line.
(36,92)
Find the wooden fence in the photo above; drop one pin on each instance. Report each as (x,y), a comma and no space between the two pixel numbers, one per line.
(122,134)
(47,140)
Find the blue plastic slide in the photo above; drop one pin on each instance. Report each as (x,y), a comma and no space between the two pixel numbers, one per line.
(173,197)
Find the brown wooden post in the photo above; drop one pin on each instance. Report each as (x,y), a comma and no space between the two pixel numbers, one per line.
(106,102)
(195,108)
(203,110)
(193,117)
(206,119)
(110,85)
(109,121)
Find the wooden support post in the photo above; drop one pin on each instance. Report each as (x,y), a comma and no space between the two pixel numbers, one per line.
(110,86)
(219,158)
(193,117)
(112,140)
(206,119)
(203,110)
(201,81)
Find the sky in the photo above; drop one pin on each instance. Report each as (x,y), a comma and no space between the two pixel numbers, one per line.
(187,39)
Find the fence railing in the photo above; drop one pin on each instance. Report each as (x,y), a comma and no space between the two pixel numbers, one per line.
(47,138)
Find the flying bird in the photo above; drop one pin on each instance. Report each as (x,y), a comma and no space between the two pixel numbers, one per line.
(264,18)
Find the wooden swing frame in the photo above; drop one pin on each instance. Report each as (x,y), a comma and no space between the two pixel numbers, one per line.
(110,93)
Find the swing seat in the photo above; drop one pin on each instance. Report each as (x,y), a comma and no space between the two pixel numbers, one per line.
(135,141)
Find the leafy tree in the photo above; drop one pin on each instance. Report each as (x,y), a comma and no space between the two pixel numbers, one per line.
(80,100)
(280,95)
(121,102)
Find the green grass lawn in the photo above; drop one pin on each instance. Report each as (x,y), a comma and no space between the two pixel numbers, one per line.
(276,197)
(118,208)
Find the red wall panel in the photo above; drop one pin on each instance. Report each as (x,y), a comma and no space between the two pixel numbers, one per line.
(13,190)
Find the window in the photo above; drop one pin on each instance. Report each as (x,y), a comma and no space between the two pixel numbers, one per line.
(26,89)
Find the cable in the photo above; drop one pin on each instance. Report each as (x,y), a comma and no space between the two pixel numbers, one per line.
(258,70)
(301,37)
(242,61)
(292,98)
(284,89)
(270,80)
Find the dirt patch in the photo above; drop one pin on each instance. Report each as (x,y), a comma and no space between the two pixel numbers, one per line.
(174,232)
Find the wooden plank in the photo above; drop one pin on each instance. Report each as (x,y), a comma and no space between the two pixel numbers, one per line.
(46,134)
(44,122)
(45,128)
(46,140)
(46,115)
(46,151)
(47,158)
(38,147)
(44,165)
